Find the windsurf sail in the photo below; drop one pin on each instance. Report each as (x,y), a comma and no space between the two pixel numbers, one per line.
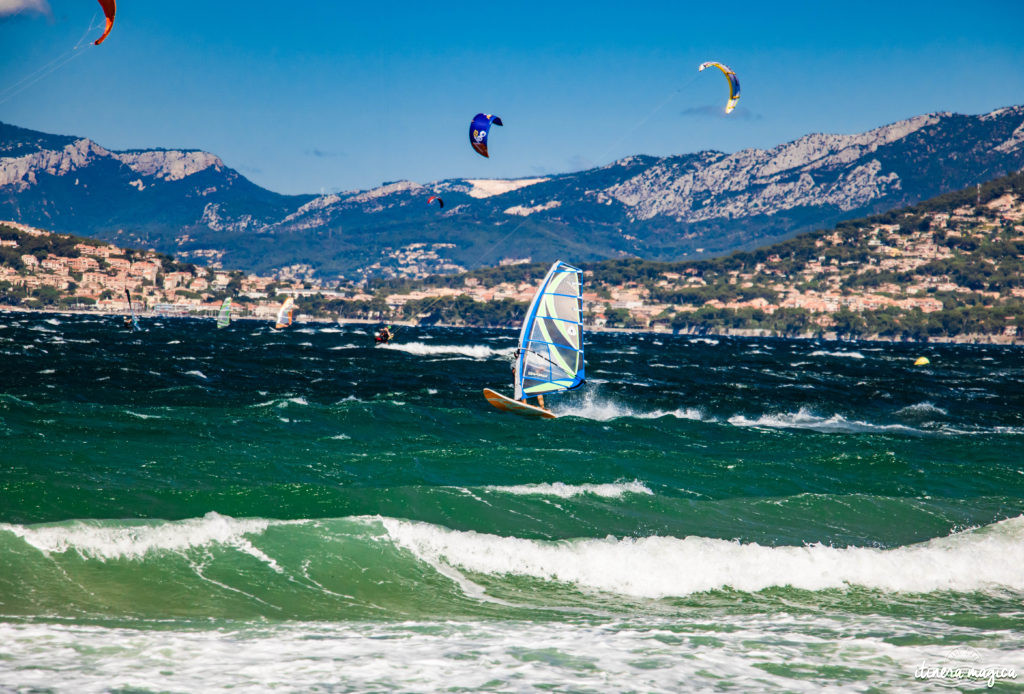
(135,319)
(284,316)
(550,357)
(224,317)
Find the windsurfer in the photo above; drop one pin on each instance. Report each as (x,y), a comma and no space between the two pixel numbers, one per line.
(384,336)
(515,362)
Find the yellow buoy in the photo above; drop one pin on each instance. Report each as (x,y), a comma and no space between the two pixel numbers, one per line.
(921,361)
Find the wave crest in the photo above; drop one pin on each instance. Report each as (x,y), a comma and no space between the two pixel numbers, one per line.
(101,540)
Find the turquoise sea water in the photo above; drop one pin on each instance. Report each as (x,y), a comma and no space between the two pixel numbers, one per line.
(187,509)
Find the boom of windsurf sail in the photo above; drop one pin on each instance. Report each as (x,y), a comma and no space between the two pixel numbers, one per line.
(550,357)
(224,317)
(284,316)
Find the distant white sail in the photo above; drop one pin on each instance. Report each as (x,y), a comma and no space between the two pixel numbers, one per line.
(550,357)
(224,317)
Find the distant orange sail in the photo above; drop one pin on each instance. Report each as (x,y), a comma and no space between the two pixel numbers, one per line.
(284,316)
(109,9)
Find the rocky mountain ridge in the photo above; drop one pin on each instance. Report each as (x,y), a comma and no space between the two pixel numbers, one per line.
(190,203)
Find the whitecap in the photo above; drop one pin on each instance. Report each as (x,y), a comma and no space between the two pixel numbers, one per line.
(805,419)
(471,351)
(611,490)
(847,355)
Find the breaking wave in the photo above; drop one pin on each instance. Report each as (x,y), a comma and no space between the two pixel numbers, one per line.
(657,567)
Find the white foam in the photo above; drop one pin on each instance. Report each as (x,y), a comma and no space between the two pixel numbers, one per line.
(693,652)
(658,567)
(848,355)
(196,372)
(471,351)
(805,419)
(612,490)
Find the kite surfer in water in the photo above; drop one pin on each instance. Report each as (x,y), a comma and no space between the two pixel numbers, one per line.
(384,336)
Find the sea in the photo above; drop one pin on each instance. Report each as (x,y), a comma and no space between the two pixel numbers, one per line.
(186,509)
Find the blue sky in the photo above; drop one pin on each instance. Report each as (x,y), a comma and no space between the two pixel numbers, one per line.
(304,97)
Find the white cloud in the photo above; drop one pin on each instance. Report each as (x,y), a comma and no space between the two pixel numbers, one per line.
(10,8)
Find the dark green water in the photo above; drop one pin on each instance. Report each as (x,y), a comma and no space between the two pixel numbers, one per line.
(189,509)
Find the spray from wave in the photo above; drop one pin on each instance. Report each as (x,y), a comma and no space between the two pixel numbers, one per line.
(598,408)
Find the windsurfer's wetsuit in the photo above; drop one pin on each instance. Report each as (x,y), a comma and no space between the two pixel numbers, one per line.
(383,337)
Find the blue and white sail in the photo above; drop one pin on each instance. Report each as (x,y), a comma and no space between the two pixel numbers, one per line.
(550,357)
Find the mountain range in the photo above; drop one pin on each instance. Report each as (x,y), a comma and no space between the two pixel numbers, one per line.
(191,204)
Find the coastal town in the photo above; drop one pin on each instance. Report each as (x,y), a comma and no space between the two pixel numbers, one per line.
(83,274)
(915,263)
